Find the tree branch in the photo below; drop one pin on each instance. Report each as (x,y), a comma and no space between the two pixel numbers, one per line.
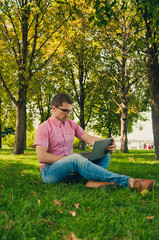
(45,62)
(89,115)
(18,43)
(7,89)
(9,40)
(129,99)
(35,41)
(51,36)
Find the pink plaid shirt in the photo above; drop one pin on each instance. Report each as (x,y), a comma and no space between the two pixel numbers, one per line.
(58,136)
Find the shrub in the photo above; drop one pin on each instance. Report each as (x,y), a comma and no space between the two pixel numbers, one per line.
(30,138)
(8,140)
(76,143)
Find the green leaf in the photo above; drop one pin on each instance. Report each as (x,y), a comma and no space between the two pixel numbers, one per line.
(91,19)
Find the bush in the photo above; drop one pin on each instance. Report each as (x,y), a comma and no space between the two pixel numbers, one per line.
(76,143)
(30,138)
(9,139)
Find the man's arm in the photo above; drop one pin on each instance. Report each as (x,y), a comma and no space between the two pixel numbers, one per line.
(91,140)
(45,157)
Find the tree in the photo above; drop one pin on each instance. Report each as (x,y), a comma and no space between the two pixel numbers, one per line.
(41,93)
(28,39)
(76,63)
(149,11)
(122,75)
(105,119)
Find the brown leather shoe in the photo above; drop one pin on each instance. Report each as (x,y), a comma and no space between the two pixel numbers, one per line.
(94,184)
(143,184)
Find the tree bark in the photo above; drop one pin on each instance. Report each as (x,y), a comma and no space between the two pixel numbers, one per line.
(124,125)
(20,134)
(0,125)
(81,102)
(153,77)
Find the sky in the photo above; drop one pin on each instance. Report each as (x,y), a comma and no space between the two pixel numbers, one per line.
(146,133)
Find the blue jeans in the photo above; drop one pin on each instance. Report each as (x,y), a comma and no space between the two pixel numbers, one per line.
(77,164)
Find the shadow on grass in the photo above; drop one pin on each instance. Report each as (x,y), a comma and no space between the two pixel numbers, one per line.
(8,151)
(30,174)
(138,155)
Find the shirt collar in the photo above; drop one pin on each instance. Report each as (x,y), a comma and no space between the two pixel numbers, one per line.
(57,121)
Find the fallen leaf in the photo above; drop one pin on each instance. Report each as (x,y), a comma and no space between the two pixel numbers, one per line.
(73,213)
(76,205)
(23,171)
(60,211)
(38,201)
(57,203)
(7,227)
(150,217)
(1,186)
(10,196)
(36,182)
(88,208)
(45,221)
(34,193)
(71,237)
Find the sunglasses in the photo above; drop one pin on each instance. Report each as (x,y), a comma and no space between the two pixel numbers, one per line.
(64,110)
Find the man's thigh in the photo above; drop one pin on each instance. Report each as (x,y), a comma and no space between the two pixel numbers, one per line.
(60,170)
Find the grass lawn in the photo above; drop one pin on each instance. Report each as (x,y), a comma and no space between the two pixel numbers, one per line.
(30,209)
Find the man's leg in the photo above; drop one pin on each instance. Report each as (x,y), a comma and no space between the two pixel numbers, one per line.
(76,163)
(103,162)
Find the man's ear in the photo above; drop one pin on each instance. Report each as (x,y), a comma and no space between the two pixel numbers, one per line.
(53,108)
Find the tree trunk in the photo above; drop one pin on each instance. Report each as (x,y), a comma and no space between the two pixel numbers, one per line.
(0,125)
(124,124)
(81,145)
(153,77)
(81,102)
(20,134)
(82,124)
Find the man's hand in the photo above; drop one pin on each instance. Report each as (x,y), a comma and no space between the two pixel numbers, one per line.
(112,148)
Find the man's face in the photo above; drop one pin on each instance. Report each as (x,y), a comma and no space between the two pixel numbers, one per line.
(62,112)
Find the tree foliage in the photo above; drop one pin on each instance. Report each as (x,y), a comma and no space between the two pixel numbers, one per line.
(28,41)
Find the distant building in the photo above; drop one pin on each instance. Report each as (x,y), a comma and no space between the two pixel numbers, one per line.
(136,144)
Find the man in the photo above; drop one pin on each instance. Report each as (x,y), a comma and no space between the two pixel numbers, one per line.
(54,148)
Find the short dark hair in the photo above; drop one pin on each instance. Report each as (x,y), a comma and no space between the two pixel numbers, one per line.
(60,98)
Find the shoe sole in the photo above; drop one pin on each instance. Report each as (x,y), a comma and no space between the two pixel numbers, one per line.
(101,186)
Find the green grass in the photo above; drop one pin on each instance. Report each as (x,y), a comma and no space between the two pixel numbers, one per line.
(28,210)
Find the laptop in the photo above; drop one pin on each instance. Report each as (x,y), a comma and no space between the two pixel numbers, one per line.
(99,149)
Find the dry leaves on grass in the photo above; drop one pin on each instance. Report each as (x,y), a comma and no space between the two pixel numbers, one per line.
(73,213)
(60,211)
(45,222)
(71,237)
(76,205)
(57,203)
(150,217)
